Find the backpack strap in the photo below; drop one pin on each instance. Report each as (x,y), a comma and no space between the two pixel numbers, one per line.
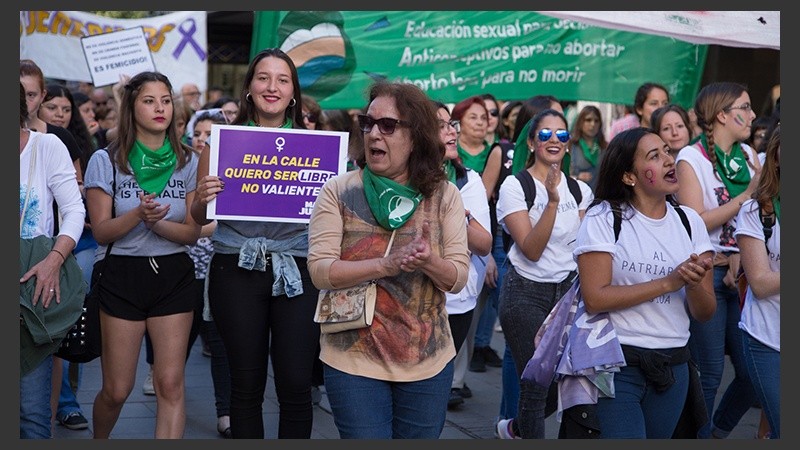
(681,213)
(767,222)
(528,186)
(575,189)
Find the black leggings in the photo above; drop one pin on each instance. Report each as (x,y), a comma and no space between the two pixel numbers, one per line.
(248,317)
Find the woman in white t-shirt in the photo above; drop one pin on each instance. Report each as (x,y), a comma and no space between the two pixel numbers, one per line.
(650,278)
(761,312)
(541,267)
(460,306)
(717,173)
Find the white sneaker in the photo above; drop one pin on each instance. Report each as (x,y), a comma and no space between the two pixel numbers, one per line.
(147,387)
(504,430)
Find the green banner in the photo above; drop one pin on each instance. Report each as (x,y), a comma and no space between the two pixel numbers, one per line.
(452,55)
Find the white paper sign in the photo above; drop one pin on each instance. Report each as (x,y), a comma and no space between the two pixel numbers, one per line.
(110,55)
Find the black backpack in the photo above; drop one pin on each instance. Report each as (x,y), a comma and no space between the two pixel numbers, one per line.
(529,188)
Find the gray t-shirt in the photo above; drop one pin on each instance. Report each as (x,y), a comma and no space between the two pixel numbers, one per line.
(141,241)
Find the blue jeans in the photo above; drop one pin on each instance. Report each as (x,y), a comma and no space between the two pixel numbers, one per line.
(640,412)
(764,367)
(509,398)
(366,408)
(524,304)
(485,329)
(67,402)
(708,343)
(34,402)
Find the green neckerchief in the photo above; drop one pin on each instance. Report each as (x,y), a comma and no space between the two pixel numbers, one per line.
(152,168)
(776,206)
(732,169)
(391,203)
(522,152)
(450,170)
(474,162)
(590,153)
(287,124)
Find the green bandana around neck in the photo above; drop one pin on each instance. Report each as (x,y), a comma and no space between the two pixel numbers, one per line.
(732,169)
(152,168)
(590,152)
(450,170)
(474,162)
(391,203)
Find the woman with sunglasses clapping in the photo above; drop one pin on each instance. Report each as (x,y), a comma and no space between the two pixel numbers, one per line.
(541,268)
(391,380)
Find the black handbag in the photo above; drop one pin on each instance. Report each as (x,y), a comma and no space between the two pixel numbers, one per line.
(83,342)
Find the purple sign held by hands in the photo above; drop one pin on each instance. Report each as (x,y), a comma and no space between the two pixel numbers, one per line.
(272,174)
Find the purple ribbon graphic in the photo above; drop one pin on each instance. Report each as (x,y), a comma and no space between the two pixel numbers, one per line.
(187,39)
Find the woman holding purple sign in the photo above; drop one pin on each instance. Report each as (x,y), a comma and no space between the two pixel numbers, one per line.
(259,290)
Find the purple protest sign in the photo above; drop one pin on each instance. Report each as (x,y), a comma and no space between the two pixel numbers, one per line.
(272,174)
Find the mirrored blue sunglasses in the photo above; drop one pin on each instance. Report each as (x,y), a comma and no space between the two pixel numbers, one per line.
(546,133)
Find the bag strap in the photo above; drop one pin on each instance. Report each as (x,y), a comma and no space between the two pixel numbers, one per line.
(391,241)
(767,222)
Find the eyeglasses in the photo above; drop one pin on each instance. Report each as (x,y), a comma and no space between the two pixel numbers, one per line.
(494,112)
(386,125)
(546,133)
(311,117)
(746,107)
(455,124)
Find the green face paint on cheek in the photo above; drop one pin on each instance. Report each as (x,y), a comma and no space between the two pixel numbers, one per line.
(739,120)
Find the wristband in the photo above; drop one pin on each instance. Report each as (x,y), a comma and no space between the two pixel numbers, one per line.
(64,258)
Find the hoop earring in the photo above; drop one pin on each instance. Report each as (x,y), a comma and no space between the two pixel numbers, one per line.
(248,98)
(292,103)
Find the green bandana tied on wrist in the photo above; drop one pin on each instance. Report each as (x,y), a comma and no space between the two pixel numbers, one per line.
(391,203)
(152,168)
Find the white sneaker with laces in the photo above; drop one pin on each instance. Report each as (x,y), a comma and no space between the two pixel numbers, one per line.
(504,430)
(147,386)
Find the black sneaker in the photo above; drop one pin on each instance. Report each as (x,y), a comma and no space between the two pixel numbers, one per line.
(491,357)
(478,361)
(455,399)
(465,391)
(74,421)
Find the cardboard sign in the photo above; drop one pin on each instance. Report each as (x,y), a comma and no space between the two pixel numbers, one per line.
(110,55)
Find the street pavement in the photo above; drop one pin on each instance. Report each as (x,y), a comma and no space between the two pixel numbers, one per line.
(474,419)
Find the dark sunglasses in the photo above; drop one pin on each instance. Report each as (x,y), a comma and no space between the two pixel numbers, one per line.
(494,112)
(546,133)
(311,117)
(386,125)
